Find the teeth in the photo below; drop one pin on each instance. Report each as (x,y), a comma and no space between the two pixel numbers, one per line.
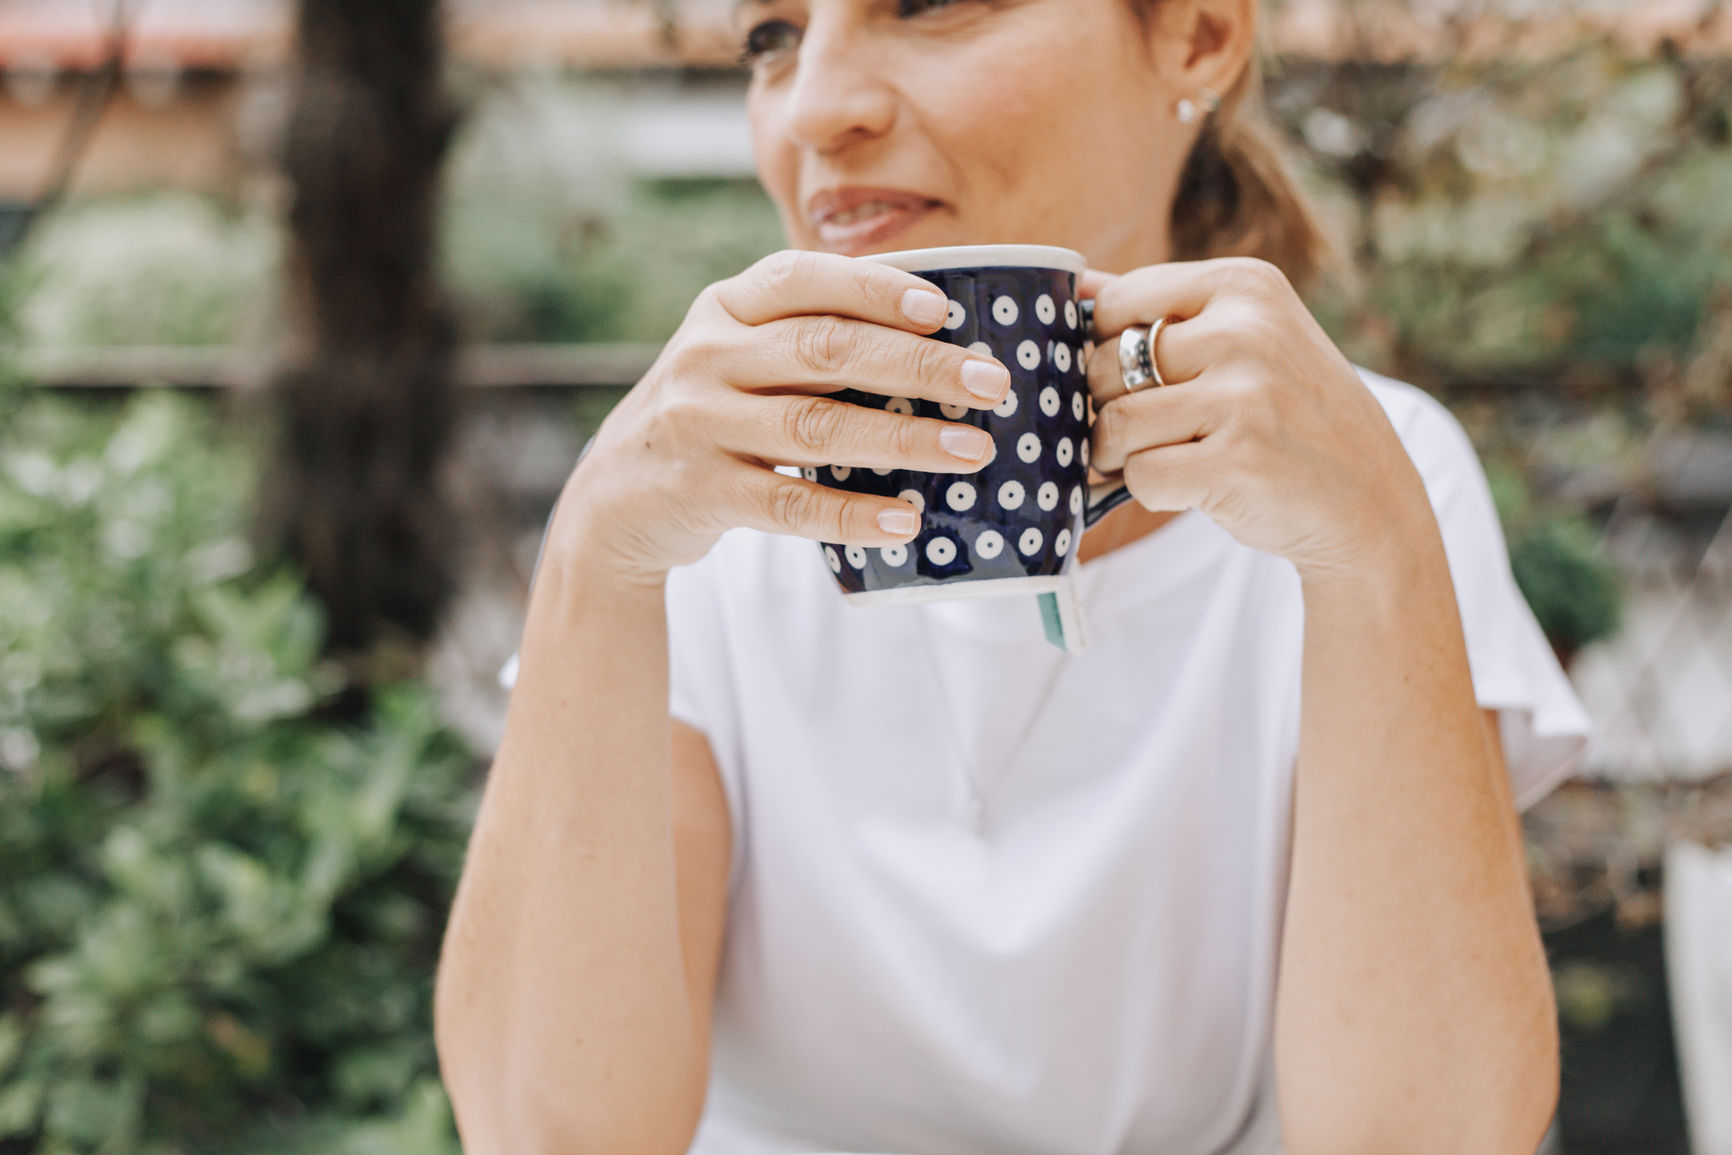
(870,208)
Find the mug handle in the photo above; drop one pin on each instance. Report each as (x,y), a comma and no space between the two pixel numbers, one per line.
(1102,499)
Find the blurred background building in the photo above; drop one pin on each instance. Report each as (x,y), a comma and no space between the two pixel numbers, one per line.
(1535,197)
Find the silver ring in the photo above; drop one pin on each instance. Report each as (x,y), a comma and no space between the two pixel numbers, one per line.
(1151,356)
(1135,368)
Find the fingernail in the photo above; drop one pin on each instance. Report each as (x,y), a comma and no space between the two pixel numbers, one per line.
(901,522)
(966,442)
(924,307)
(987,380)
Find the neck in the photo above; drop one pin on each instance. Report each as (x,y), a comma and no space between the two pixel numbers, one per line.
(1129,522)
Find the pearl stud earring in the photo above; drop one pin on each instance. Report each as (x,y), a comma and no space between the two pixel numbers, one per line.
(1207,101)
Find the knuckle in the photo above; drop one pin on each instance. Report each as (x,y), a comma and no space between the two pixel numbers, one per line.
(1259,277)
(813,426)
(928,361)
(675,421)
(699,347)
(864,281)
(908,439)
(794,505)
(780,271)
(820,345)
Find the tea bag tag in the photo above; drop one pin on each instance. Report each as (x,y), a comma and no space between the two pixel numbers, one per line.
(1062,616)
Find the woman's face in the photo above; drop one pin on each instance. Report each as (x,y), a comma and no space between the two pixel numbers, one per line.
(897,124)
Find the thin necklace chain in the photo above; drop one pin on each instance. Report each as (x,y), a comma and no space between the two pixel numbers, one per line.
(976,801)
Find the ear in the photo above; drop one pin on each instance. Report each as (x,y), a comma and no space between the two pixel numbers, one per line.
(1204,44)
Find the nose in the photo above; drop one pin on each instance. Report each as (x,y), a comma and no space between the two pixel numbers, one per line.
(839,95)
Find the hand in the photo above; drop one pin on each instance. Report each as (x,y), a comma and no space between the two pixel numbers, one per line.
(741,388)
(1264,425)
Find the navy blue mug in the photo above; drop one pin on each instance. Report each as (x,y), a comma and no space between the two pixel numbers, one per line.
(1012,527)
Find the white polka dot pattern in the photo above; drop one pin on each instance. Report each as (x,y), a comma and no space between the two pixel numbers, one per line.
(1020,514)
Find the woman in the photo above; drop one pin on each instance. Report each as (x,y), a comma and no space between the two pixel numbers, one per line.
(760,872)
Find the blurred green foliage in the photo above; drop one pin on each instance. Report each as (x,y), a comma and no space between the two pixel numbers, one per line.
(223,871)
(162,269)
(627,276)
(1562,570)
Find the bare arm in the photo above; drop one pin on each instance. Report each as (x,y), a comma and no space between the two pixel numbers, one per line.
(573,1000)
(1414,1010)
(574,990)
(1413,990)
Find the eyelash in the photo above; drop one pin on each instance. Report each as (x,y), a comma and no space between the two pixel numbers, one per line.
(754,50)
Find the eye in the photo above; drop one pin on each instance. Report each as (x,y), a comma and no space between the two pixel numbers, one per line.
(916,7)
(768,39)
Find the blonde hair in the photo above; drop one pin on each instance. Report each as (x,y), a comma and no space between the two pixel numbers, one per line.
(1238,196)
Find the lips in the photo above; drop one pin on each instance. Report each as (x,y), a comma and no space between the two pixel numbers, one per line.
(857,219)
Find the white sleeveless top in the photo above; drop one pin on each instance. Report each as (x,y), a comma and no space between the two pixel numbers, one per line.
(990,898)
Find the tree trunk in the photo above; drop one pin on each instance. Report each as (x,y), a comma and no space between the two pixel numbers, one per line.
(366,403)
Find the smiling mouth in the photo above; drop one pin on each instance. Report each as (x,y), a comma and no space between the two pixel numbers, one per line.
(870,224)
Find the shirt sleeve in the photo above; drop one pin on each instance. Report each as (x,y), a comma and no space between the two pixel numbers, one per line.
(1544,728)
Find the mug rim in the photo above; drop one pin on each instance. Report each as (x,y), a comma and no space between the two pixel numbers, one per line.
(983,257)
(955,589)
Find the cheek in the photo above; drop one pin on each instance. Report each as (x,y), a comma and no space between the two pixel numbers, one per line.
(778,165)
(1012,121)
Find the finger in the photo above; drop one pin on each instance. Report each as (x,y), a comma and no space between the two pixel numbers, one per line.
(1181,289)
(823,431)
(776,503)
(1181,351)
(1150,418)
(1173,477)
(823,354)
(795,284)
(1092,281)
